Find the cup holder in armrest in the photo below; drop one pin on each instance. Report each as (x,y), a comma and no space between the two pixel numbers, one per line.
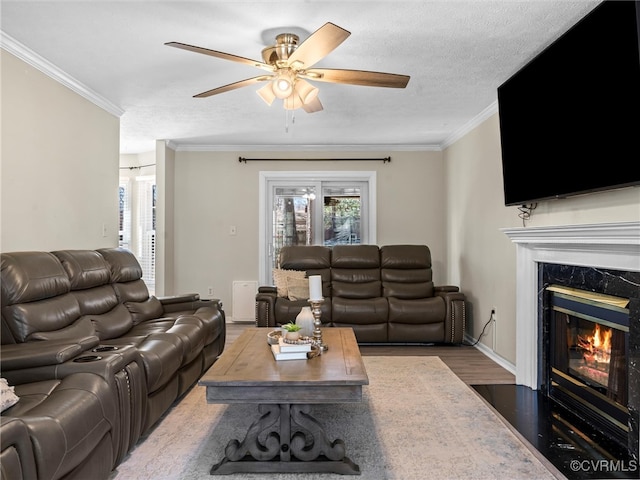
(87,358)
(105,348)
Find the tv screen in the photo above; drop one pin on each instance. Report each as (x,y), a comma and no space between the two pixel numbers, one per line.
(570,118)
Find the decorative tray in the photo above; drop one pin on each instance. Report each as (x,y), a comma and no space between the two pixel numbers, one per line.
(272,337)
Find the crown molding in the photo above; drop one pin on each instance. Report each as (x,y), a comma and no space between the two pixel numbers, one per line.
(473,123)
(301,148)
(27,55)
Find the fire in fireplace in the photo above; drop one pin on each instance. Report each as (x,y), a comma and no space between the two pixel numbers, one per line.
(588,353)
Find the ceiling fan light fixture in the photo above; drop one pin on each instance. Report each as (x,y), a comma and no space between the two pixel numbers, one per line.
(266,94)
(283,84)
(305,91)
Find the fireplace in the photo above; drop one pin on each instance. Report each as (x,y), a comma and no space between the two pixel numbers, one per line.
(586,369)
(602,258)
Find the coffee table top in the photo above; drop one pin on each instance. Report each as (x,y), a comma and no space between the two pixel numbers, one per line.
(246,372)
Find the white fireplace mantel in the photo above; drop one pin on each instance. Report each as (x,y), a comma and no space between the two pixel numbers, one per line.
(614,246)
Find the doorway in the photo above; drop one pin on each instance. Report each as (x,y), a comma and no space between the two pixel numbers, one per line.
(313,208)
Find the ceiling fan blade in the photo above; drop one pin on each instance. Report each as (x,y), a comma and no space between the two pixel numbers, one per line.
(234,86)
(224,56)
(312,106)
(318,45)
(357,77)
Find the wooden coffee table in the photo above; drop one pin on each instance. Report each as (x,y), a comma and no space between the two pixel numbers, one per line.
(285,437)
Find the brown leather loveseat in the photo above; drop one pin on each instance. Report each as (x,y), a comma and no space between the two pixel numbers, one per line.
(386,294)
(94,360)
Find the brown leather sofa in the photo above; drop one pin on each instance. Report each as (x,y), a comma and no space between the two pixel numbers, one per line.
(386,294)
(86,317)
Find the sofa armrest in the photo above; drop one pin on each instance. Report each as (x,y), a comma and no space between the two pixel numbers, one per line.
(18,461)
(445,288)
(186,297)
(183,304)
(456,315)
(265,306)
(48,352)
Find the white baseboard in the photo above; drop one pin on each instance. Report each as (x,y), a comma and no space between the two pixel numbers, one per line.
(243,321)
(491,354)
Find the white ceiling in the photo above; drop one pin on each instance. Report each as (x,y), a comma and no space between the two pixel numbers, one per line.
(456,52)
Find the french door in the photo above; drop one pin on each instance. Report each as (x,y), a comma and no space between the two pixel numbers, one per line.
(314,208)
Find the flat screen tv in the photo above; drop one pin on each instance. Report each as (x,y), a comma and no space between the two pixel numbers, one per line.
(570,118)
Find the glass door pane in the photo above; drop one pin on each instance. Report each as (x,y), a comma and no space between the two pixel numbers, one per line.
(313,208)
(292,222)
(342,214)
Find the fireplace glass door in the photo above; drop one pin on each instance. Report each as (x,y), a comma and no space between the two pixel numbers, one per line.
(588,354)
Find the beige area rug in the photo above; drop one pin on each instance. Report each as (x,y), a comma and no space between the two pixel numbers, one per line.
(417,420)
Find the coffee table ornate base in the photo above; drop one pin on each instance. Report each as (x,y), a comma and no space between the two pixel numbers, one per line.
(285,439)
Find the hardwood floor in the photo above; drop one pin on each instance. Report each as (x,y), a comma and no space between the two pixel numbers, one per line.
(468,363)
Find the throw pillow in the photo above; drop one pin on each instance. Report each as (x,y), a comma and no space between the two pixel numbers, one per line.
(298,288)
(7,396)
(280,279)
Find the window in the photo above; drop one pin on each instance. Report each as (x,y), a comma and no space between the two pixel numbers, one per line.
(137,223)
(145,250)
(124,197)
(314,208)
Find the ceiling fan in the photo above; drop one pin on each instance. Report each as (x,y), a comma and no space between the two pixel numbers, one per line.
(289,65)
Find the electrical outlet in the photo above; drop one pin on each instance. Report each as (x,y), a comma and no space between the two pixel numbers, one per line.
(209,290)
(494,314)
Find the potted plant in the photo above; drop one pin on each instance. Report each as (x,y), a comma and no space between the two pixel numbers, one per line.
(292,331)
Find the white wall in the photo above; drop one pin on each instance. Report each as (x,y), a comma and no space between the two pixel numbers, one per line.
(59,170)
(481,258)
(214,191)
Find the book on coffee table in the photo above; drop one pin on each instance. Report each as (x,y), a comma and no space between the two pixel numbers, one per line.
(293,347)
(280,354)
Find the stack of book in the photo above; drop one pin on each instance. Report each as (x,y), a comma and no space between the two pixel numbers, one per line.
(290,351)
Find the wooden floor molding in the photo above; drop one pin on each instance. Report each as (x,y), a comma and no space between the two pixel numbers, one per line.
(471,365)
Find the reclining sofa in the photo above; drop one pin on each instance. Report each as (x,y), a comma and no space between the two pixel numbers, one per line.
(93,360)
(386,294)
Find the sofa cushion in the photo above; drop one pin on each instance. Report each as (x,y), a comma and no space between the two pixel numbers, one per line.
(147,310)
(408,290)
(123,264)
(405,256)
(355,256)
(353,312)
(305,257)
(31,276)
(85,268)
(420,311)
(406,271)
(112,324)
(79,329)
(356,282)
(48,315)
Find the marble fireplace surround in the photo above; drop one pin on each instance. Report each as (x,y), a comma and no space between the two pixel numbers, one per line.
(614,246)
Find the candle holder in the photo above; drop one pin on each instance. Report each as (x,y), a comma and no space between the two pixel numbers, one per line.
(317,332)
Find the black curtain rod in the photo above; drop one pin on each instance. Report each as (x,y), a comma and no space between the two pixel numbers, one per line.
(245,160)
(138,167)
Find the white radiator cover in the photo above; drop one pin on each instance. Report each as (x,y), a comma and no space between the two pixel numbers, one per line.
(244,300)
